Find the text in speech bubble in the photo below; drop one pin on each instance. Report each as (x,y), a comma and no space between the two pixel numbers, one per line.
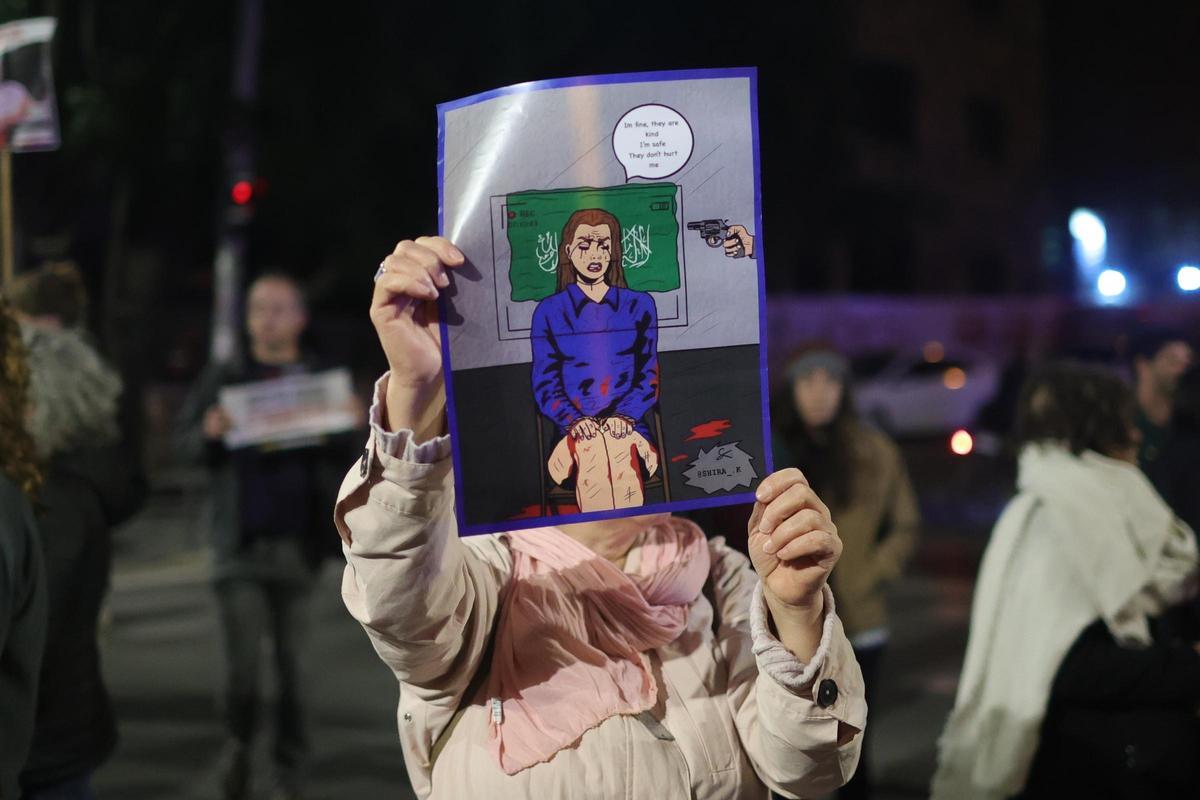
(652,141)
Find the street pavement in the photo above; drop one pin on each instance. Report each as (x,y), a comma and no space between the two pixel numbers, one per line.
(162,663)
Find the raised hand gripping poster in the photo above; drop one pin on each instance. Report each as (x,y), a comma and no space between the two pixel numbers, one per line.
(605,341)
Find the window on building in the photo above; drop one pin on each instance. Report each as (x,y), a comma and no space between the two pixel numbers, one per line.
(985,10)
(987,272)
(884,101)
(987,129)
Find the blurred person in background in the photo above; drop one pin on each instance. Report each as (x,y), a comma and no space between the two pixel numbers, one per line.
(22,579)
(52,297)
(1160,356)
(93,482)
(271,529)
(619,658)
(1072,686)
(1176,471)
(860,473)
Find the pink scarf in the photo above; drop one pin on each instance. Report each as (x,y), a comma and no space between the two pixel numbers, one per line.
(572,633)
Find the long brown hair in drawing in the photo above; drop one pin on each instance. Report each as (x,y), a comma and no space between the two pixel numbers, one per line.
(615,274)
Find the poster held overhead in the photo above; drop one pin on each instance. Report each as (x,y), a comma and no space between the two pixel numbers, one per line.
(602,359)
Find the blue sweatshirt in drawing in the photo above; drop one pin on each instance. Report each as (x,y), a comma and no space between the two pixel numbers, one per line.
(595,359)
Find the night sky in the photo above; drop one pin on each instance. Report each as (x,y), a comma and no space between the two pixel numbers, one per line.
(346,130)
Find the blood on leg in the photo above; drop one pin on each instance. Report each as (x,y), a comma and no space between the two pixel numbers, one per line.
(625,470)
(561,460)
(608,469)
(593,484)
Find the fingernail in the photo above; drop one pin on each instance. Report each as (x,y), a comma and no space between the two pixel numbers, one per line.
(456,253)
(768,546)
(759,494)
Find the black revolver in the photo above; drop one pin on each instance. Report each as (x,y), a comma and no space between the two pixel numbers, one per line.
(715,232)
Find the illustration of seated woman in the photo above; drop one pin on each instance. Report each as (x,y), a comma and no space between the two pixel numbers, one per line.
(595,368)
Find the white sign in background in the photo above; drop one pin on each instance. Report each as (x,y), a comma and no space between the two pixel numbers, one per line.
(28,114)
(288,411)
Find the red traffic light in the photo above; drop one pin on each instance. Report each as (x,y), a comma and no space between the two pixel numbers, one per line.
(242,192)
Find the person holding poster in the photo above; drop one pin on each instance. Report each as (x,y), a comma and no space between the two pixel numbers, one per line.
(269,516)
(624,657)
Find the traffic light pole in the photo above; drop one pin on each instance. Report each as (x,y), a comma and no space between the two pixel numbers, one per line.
(229,263)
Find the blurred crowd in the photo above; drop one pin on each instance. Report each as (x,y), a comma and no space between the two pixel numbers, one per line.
(1082,673)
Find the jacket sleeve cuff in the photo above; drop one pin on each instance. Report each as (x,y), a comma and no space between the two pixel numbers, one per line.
(776,660)
(401,444)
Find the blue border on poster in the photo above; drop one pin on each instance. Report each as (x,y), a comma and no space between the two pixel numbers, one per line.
(750,74)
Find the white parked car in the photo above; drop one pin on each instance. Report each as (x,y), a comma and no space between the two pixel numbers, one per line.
(908,394)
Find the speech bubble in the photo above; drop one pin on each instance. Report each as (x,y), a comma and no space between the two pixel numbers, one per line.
(720,469)
(652,141)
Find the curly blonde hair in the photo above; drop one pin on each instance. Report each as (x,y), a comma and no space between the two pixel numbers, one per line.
(18,456)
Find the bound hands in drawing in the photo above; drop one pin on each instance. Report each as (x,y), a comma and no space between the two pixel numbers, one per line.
(590,427)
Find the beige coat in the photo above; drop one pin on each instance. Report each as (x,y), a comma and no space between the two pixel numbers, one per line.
(428,601)
(884,502)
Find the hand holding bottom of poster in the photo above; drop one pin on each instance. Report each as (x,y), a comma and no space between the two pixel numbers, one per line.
(289,409)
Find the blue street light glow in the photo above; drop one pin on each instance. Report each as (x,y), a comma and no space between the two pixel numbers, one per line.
(1090,235)
(1188,278)
(1111,283)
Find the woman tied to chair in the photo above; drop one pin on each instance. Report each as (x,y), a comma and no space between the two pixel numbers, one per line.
(595,368)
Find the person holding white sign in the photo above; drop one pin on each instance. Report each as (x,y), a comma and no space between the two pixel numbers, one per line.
(270,518)
(624,658)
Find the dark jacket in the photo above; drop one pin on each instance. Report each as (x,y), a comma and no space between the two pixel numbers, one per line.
(878,525)
(1121,722)
(22,631)
(236,554)
(87,492)
(1176,475)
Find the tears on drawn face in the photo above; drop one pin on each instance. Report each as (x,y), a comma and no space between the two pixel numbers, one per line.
(591,251)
